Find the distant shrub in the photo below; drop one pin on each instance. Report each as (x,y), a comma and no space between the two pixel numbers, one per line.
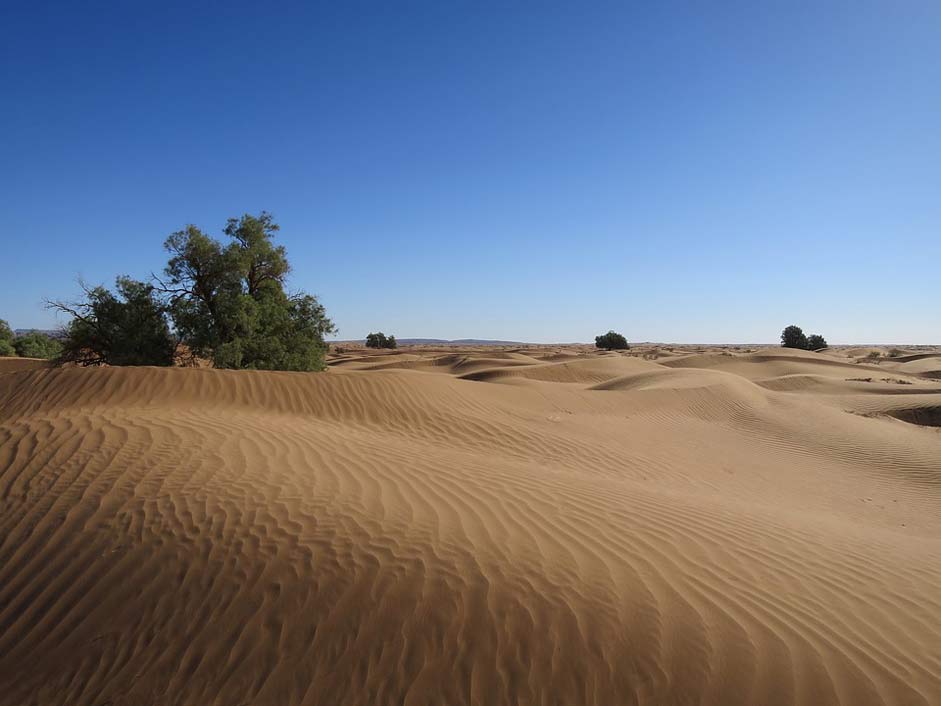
(611,341)
(793,337)
(873,355)
(380,340)
(37,345)
(816,342)
(896,352)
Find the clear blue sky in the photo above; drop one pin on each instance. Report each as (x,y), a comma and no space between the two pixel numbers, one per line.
(533,171)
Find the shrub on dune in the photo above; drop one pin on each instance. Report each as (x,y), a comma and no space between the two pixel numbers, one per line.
(816,342)
(380,340)
(126,328)
(793,337)
(611,341)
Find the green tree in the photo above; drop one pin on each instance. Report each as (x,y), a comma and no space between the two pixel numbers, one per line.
(202,289)
(36,344)
(127,328)
(380,340)
(816,342)
(6,340)
(611,341)
(262,264)
(228,302)
(793,337)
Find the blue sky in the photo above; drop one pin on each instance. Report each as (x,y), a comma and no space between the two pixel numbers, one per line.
(532,171)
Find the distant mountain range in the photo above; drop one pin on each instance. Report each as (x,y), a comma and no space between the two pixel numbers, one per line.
(444,342)
(55,333)
(458,342)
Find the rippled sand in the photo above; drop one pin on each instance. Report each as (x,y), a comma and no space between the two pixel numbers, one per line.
(532,526)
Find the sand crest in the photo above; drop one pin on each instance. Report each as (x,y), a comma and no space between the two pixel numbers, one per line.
(479,526)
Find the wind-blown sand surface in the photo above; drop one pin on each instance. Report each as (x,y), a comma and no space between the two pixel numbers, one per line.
(532,526)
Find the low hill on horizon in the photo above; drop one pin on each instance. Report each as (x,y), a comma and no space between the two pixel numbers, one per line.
(443,342)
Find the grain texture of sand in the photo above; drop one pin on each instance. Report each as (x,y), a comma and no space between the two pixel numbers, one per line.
(482,526)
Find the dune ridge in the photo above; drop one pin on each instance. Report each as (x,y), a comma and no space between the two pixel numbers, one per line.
(473,527)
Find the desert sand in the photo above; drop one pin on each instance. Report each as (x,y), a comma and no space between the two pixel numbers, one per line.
(545,525)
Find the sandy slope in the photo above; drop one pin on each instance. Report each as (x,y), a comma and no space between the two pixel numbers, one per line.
(481,527)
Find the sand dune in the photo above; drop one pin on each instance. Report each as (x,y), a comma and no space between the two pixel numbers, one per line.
(480,526)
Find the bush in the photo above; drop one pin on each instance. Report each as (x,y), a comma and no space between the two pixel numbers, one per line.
(611,341)
(37,345)
(6,349)
(380,340)
(129,328)
(816,342)
(793,337)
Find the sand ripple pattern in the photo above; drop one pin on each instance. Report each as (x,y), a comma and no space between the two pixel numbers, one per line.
(514,527)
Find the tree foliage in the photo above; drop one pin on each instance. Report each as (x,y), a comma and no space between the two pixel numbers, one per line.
(611,341)
(816,342)
(228,302)
(380,340)
(793,337)
(37,344)
(6,340)
(127,328)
